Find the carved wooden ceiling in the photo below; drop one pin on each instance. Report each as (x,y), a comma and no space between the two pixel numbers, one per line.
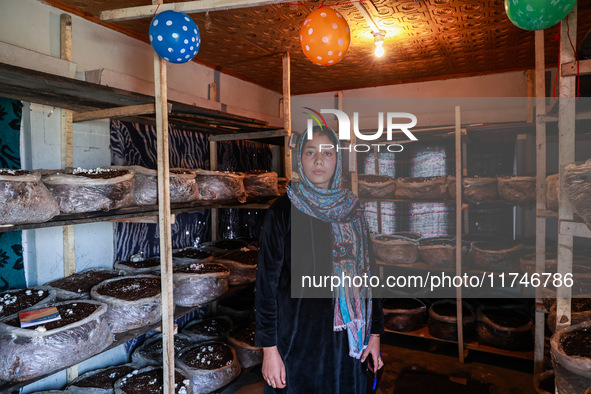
(425,40)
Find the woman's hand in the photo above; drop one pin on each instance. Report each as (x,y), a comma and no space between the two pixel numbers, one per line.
(373,350)
(273,368)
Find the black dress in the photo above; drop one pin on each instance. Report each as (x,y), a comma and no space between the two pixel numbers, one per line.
(316,357)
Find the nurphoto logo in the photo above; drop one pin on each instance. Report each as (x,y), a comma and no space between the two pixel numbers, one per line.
(344,128)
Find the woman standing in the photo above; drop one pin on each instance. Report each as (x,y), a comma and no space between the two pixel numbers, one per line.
(316,345)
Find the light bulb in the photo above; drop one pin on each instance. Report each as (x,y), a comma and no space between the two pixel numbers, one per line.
(378,39)
(379,49)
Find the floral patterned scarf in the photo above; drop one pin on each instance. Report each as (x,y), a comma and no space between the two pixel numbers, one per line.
(350,256)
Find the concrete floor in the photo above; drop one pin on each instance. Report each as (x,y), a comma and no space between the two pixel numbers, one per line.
(505,375)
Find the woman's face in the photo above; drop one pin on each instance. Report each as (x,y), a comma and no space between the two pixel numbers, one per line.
(319,165)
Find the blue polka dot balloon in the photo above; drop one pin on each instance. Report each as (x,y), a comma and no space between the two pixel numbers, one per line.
(174,36)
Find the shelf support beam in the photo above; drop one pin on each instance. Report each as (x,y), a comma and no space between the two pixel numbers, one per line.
(287,112)
(574,68)
(130,110)
(583,115)
(188,7)
(574,229)
(164,220)
(248,136)
(566,155)
(67,152)
(540,92)
(459,174)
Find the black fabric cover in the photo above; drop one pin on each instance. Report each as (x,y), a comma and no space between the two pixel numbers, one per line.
(488,155)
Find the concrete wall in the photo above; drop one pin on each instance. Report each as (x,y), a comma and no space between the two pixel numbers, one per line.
(488,98)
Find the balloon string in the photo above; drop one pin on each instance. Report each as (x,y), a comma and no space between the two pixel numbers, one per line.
(155,11)
(557,36)
(576,59)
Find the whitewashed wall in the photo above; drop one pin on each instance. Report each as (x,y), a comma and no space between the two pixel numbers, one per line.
(487,98)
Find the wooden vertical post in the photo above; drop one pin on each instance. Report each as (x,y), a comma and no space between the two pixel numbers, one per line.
(67,153)
(465,214)
(287,112)
(67,143)
(566,155)
(528,213)
(376,162)
(213,165)
(529,116)
(540,195)
(164,220)
(460,320)
(352,153)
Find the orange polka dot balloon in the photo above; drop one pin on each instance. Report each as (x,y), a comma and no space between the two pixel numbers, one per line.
(325,37)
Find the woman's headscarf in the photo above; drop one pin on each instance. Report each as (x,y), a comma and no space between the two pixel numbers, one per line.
(350,256)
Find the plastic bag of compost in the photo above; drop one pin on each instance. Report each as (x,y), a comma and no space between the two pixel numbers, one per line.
(404,314)
(198,284)
(210,365)
(474,189)
(260,183)
(183,187)
(24,198)
(427,188)
(571,358)
(78,285)
(134,301)
(377,186)
(220,185)
(150,380)
(443,320)
(26,353)
(242,340)
(577,182)
(99,381)
(211,329)
(78,190)
(395,249)
(552,191)
(150,352)
(17,300)
(503,328)
(517,189)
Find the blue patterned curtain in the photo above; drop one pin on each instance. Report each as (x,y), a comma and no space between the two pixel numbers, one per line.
(12,274)
(135,144)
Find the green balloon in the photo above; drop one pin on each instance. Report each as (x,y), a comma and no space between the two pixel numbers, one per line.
(537,14)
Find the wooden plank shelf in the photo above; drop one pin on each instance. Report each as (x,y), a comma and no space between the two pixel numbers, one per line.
(424,333)
(584,115)
(524,354)
(549,214)
(120,339)
(574,229)
(421,266)
(68,93)
(138,212)
(484,204)
(418,265)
